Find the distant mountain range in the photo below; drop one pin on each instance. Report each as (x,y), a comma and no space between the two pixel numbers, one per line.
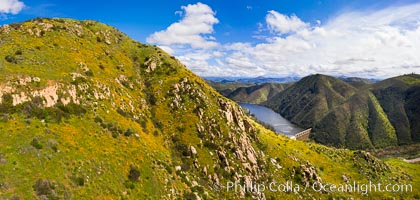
(288,79)
(254,80)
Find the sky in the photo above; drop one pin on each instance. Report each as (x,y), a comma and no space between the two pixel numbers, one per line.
(250,38)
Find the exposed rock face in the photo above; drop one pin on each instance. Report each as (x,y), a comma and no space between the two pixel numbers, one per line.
(49,94)
(309,174)
(5,29)
(189,88)
(234,152)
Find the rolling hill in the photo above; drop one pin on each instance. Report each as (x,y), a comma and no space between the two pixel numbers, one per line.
(343,115)
(257,94)
(88,113)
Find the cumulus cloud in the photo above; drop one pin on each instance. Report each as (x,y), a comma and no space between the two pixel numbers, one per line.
(363,43)
(369,43)
(11,6)
(198,20)
(284,24)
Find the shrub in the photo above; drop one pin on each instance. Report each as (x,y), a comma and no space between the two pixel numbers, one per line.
(11,59)
(183,149)
(128,132)
(79,181)
(134,174)
(129,185)
(89,73)
(44,188)
(35,143)
(98,120)
(155,133)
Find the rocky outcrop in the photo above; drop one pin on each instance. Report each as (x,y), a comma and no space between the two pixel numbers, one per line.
(308,174)
(190,89)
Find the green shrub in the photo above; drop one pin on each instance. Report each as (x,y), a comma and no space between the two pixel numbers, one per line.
(134,174)
(18,52)
(129,185)
(79,181)
(89,73)
(35,143)
(11,59)
(129,132)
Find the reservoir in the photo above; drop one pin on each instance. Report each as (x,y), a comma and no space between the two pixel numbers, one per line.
(266,115)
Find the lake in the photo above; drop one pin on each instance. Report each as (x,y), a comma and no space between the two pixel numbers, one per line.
(266,115)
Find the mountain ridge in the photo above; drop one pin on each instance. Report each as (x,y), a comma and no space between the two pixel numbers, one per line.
(349,107)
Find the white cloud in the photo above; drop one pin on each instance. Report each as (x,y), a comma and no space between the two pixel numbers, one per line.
(283,24)
(197,21)
(167,49)
(11,6)
(381,43)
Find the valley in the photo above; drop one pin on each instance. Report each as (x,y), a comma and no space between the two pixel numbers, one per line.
(345,112)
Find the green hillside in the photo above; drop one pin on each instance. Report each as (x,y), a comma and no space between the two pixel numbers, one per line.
(257,94)
(88,113)
(399,98)
(225,88)
(371,116)
(309,100)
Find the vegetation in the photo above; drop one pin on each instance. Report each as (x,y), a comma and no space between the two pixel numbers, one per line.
(361,116)
(257,94)
(142,126)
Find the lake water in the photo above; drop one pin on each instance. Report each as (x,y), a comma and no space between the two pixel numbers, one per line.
(266,115)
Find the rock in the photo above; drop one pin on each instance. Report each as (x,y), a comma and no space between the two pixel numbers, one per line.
(223,159)
(345,178)
(215,179)
(309,174)
(193,150)
(194,183)
(248,126)
(274,162)
(5,29)
(251,156)
(200,128)
(196,164)
(196,196)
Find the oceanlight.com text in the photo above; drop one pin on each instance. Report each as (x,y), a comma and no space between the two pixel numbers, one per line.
(289,186)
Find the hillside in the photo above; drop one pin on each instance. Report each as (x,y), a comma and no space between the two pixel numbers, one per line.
(310,99)
(371,116)
(88,113)
(257,94)
(399,98)
(358,82)
(225,88)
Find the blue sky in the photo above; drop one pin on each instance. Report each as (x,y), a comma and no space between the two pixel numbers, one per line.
(366,38)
